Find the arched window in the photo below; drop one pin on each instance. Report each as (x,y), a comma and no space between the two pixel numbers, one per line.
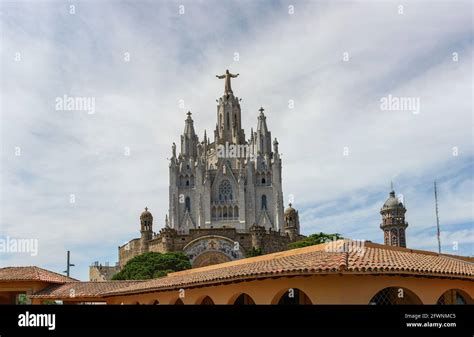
(244,299)
(263,181)
(394,241)
(264,202)
(187,204)
(207,301)
(454,296)
(294,296)
(386,235)
(225,190)
(394,295)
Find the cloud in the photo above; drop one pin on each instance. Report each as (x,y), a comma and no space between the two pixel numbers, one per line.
(139,60)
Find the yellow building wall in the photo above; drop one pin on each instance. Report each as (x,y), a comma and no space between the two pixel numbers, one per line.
(329,289)
(9,290)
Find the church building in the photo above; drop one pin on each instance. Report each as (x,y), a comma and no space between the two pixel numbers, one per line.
(226,198)
(225,193)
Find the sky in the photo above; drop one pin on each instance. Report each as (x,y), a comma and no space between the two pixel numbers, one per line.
(320,69)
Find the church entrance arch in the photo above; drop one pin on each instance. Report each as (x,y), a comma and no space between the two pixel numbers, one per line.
(210,258)
(212,249)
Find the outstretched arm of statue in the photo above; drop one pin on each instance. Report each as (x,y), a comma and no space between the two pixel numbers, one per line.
(232,75)
(220,76)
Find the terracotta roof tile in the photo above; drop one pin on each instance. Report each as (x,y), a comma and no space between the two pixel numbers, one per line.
(81,289)
(320,259)
(376,258)
(325,258)
(32,274)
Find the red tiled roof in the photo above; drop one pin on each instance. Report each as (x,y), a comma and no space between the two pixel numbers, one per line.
(378,258)
(73,290)
(320,259)
(32,274)
(313,262)
(338,257)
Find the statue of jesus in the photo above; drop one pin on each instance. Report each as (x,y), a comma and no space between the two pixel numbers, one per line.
(227,76)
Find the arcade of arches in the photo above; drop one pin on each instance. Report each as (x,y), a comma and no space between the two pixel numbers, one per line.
(328,289)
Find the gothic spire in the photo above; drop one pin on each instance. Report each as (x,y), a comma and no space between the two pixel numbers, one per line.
(189,139)
(262,121)
(264,138)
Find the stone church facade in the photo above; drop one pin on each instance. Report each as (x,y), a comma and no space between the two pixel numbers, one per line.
(225,194)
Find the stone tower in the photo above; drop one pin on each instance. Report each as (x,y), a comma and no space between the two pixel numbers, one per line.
(257,234)
(393,221)
(292,223)
(227,182)
(146,228)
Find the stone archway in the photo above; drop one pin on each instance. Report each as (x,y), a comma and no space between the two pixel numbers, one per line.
(209,258)
(212,249)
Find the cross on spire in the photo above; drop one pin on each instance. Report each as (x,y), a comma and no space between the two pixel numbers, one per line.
(261,110)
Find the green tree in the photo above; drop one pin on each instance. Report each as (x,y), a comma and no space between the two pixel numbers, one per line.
(315,239)
(254,252)
(152,265)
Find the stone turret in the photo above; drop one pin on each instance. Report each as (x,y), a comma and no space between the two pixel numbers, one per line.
(146,229)
(292,223)
(168,235)
(229,122)
(393,221)
(258,234)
